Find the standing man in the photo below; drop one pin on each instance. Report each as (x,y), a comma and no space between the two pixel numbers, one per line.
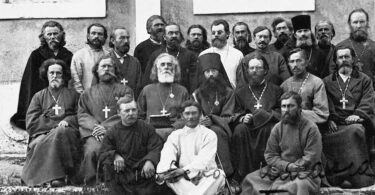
(325,32)
(359,41)
(230,57)
(293,151)
(186,59)
(52,41)
(96,105)
(130,152)
(278,70)
(85,59)
(351,121)
(187,162)
(310,87)
(197,39)
(51,121)
(242,38)
(155,27)
(283,31)
(129,67)
(257,111)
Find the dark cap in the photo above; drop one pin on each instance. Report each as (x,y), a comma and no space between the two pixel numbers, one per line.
(301,22)
(210,61)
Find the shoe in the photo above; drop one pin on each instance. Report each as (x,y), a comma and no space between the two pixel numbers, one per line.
(234,186)
(57,183)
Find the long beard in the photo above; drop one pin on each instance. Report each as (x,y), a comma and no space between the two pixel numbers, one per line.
(283,37)
(303,43)
(241,43)
(165,77)
(212,85)
(158,34)
(194,45)
(359,35)
(107,77)
(219,43)
(288,118)
(324,42)
(123,49)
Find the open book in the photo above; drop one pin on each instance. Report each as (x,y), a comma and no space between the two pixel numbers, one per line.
(160,120)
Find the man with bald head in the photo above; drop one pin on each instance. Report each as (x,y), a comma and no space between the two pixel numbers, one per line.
(129,66)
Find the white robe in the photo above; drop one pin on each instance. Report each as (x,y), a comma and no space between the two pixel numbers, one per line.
(195,150)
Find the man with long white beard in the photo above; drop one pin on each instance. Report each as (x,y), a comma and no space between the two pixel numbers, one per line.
(96,105)
(230,57)
(293,154)
(351,122)
(325,32)
(359,41)
(51,121)
(197,39)
(164,95)
(242,38)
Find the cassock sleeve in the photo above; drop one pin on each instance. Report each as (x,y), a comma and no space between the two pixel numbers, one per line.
(142,105)
(228,108)
(312,150)
(85,119)
(108,148)
(138,79)
(320,111)
(365,108)
(169,153)
(154,146)
(76,72)
(35,120)
(71,117)
(283,69)
(273,150)
(206,152)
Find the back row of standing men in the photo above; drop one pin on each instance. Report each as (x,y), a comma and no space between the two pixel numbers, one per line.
(247,115)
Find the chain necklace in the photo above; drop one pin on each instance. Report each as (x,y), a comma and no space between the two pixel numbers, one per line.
(164,111)
(343,100)
(178,52)
(258,105)
(303,84)
(56,107)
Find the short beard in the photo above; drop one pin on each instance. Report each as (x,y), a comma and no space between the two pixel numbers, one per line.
(359,35)
(158,35)
(283,38)
(213,85)
(56,84)
(123,49)
(304,43)
(173,44)
(107,77)
(194,45)
(291,119)
(218,43)
(95,45)
(53,45)
(255,80)
(165,77)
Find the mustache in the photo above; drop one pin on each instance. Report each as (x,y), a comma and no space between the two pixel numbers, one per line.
(110,73)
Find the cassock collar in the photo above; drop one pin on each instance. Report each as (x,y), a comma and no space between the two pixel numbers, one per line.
(47,53)
(118,56)
(267,51)
(155,42)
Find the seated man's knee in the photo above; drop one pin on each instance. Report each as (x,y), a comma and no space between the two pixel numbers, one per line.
(239,130)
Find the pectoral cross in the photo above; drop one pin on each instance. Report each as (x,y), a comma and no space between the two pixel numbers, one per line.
(164,111)
(106,110)
(56,108)
(124,81)
(344,101)
(258,105)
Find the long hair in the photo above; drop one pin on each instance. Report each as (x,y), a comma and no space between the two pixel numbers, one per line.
(279,20)
(247,29)
(52,23)
(96,66)
(151,19)
(361,10)
(205,43)
(176,68)
(43,70)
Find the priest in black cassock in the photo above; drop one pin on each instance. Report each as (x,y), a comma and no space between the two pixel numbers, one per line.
(258,110)
(216,97)
(51,121)
(129,67)
(325,32)
(155,27)
(130,152)
(52,41)
(96,105)
(351,122)
(186,58)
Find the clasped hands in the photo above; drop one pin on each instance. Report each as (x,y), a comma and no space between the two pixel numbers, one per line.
(148,169)
(332,126)
(98,132)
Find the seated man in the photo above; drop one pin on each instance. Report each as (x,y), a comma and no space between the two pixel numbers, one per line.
(129,152)
(258,110)
(187,162)
(217,100)
(162,97)
(310,87)
(51,121)
(351,122)
(96,105)
(293,154)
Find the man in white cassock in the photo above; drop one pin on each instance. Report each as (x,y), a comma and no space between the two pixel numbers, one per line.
(187,163)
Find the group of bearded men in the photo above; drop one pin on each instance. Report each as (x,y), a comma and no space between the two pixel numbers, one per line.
(284,117)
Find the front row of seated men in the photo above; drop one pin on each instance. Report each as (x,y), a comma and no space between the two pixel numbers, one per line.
(243,122)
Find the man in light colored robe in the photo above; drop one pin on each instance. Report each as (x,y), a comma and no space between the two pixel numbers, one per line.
(187,162)
(293,154)
(86,58)
(310,87)
(51,121)
(96,105)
